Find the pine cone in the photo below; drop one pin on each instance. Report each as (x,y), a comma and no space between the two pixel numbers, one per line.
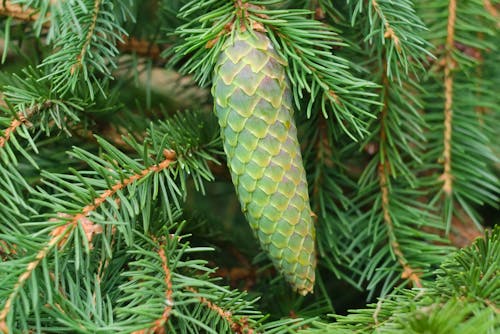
(253,103)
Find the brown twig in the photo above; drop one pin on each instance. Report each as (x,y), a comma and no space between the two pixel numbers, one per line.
(158,326)
(239,326)
(383,171)
(168,293)
(59,235)
(376,312)
(449,65)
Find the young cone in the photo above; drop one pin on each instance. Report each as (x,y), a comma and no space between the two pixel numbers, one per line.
(253,103)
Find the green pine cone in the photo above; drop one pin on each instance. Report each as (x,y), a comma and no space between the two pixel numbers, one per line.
(253,103)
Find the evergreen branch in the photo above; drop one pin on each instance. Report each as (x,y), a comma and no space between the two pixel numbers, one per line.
(463,299)
(140,47)
(461,141)
(59,234)
(190,158)
(239,326)
(389,208)
(396,29)
(158,326)
(383,171)
(17,288)
(73,220)
(199,304)
(389,32)
(449,64)
(85,43)
(88,37)
(387,185)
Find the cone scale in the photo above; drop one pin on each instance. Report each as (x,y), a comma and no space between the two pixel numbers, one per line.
(253,103)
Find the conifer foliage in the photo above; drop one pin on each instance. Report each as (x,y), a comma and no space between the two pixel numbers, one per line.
(118,213)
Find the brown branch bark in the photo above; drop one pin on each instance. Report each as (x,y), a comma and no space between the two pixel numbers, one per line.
(158,326)
(449,65)
(60,234)
(7,8)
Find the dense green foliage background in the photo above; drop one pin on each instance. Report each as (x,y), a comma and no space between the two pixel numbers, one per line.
(117,213)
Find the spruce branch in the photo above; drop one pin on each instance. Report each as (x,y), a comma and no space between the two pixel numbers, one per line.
(388,185)
(141,47)
(88,38)
(330,188)
(464,299)
(395,28)
(384,168)
(389,32)
(197,303)
(74,218)
(85,43)
(59,236)
(237,325)
(460,141)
